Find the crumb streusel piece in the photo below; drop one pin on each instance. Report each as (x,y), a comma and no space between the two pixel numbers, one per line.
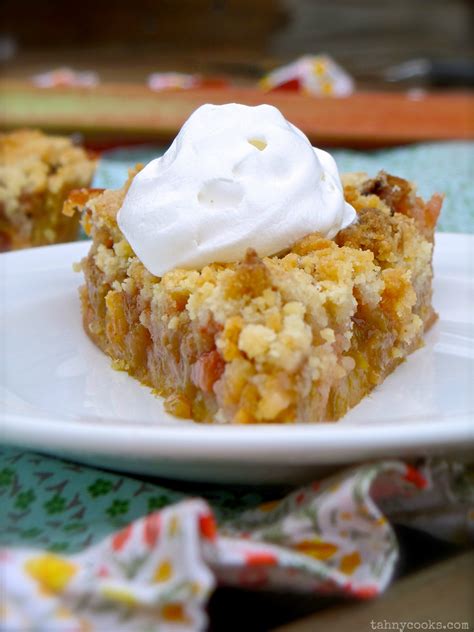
(296,338)
(37,172)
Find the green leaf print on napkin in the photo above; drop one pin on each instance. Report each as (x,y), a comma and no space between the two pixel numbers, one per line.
(52,504)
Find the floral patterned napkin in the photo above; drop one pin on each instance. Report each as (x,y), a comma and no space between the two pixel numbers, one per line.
(87,550)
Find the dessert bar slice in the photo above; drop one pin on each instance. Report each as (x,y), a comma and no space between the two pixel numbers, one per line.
(36,174)
(299,337)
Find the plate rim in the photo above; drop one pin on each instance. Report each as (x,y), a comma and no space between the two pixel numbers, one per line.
(314,443)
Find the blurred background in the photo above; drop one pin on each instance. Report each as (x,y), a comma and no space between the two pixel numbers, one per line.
(402,85)
(126,41)
(396,72)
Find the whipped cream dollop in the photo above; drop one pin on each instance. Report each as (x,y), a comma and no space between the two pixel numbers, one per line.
(235,177)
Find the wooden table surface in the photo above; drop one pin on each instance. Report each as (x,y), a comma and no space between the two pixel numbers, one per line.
(120,112)
(442,593)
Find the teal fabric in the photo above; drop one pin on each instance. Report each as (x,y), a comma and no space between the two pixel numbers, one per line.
(435,167)
(52,504)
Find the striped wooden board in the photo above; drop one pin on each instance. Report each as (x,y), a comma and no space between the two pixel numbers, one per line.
(131,112)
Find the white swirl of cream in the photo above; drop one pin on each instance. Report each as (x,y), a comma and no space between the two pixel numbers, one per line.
(235,177)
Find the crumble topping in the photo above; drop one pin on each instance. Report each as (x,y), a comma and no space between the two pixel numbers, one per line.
(297,337)
(36,174)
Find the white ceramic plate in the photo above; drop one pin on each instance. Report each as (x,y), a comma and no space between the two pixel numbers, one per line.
(61,396)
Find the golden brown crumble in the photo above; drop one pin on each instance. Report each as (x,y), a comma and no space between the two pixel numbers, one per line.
(296,337)
(37,172)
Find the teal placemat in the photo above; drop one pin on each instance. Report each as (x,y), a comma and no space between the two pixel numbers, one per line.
(53,504)
(435,167)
